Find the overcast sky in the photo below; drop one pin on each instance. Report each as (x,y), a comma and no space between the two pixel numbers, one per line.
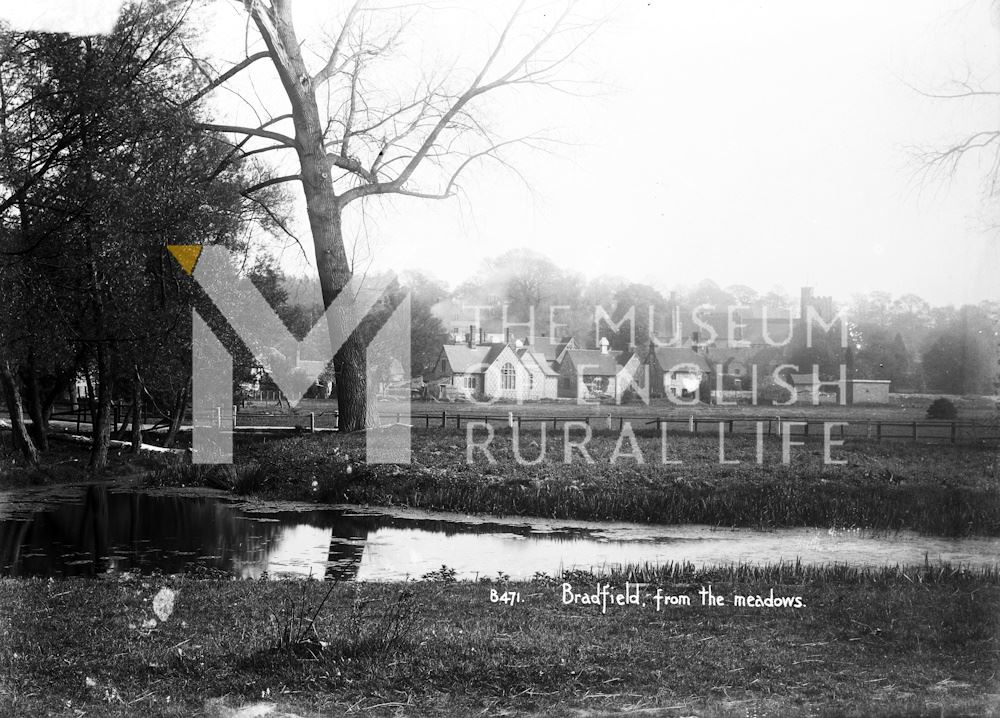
(767,143)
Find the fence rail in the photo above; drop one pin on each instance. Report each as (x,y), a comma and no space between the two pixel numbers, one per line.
(953,431)
(798,426)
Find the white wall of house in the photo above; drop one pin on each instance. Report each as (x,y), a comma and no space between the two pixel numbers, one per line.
(511,385)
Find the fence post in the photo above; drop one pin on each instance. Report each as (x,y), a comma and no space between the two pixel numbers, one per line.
(914,430)
(953,432)
(878,431)
(235,415)
(218,418)
(312,422)
(444,418)
(458,421)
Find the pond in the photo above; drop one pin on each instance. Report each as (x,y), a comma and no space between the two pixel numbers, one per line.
(85,530)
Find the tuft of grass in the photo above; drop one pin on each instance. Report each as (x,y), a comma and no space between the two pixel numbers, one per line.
(293,629)
(445,574)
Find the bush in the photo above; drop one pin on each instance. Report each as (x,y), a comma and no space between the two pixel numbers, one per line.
(941,409)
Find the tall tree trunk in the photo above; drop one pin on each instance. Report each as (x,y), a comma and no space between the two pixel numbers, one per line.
(136,413)
(102,417)
(352,394)
(180,406)
(39,425)
(22,439)
(322,205)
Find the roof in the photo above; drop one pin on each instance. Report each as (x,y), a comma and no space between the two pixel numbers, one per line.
(464,359)
(670,357)
(593,362)
(551,348)
(540,360)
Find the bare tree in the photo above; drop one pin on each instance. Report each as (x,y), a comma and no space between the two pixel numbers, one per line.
(982,144)
(365,146)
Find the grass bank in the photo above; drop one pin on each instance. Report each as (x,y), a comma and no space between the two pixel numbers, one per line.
(935,489)
(887,642)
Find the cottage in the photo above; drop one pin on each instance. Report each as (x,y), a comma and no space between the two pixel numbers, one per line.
(598,373)
(491,371)
(675,371)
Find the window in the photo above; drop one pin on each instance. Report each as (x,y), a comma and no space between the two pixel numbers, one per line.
(531,380)
(470,381)
(508,377)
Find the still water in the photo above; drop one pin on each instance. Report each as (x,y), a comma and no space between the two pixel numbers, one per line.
(85,530)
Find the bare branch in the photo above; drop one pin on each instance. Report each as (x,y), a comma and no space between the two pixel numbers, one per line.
(225,76)
(256,132)
(328,70)
(271,181)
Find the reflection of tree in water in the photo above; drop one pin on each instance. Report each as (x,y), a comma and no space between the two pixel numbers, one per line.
(106,529)
(347,545)
(100,529)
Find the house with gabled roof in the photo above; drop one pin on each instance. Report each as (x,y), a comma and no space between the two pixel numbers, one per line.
(598,373)
(675,370)
(491,371)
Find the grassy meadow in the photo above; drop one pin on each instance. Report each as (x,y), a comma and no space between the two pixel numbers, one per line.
(889,642)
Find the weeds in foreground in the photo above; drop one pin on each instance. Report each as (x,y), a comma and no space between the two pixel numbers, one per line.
(294,630)
(373,631)
(376,631)
(445,574)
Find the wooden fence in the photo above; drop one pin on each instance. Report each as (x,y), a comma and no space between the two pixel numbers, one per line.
(952,431)
(955,431)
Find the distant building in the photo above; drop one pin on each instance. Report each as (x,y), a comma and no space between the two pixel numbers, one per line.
(675,371)
(598,373)
(492,371)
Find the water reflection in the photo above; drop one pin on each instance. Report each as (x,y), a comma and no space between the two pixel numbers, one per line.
(88,530)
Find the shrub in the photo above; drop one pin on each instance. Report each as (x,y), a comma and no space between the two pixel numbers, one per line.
(942,409)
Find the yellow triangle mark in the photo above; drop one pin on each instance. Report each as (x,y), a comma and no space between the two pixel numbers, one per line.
(186,255)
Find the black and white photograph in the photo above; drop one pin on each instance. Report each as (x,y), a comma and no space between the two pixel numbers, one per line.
(542,358)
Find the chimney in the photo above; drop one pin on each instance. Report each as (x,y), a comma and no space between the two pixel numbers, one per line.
(482,335)
(508,335)
(471,335)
